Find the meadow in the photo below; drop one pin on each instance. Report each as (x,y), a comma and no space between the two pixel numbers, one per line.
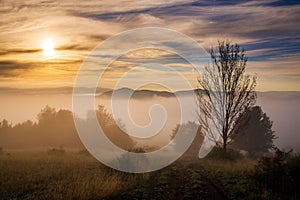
(74,174)
(59,175)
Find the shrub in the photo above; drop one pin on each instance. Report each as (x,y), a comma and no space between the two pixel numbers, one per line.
(218,153)
(278,177)
(131,163)
(59,150)
(84,152)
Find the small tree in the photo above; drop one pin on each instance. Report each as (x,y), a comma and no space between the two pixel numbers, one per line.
(187,128)
(255,133)
(111,128)
(225,93)
(4,124)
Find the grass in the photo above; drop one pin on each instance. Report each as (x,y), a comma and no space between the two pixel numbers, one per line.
(262,179)
(233,176)
(56,174)
(173,182)
(59,176)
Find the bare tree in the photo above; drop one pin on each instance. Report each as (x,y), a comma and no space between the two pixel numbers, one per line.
(224,93)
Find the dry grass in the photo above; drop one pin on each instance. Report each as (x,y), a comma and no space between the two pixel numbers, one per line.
(237,166)
(60,176)
(56,174)
(233,176)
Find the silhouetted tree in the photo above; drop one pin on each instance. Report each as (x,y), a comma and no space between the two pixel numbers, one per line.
(187,128)
(53,128)
(111,128)
(255,132)
(225,93)
(46,115)
(57,128)
(4,124)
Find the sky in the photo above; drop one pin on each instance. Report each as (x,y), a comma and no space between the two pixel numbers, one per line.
(43,43)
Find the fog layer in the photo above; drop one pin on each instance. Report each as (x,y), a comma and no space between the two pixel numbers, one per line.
(282,108)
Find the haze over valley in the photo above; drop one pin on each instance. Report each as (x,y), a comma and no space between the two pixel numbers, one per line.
(282,108)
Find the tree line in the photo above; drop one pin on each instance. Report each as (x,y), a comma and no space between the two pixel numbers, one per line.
(55,128)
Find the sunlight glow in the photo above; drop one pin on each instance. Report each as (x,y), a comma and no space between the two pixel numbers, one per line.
(48,47)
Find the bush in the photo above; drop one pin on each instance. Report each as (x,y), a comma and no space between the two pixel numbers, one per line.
(278,177)
(84,152)
(131,163)
(219,154)
(59,150)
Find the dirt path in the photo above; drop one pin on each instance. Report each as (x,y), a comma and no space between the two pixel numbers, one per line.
(184,179)
(215,190)
(177,182)
(207,189)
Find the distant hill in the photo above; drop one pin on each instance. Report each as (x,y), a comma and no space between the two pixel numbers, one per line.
(124,92)
(45,91)
(105,92)
(140,94)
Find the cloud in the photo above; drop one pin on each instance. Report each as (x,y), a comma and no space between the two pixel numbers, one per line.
(12,68)
(97,37)
(55,69)
(269,30)
(4,52)
(73,47)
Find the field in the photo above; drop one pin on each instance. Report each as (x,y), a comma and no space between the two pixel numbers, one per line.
(56,174)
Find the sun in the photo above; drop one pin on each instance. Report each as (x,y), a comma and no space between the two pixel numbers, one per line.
(48,47)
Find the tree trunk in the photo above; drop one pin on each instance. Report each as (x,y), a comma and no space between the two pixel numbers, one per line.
(225,145)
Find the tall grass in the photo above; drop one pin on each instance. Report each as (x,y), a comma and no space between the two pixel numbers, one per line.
(275,177)
(228,166)
(233,176)
(60,176)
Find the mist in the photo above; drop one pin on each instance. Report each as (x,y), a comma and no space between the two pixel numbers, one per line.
(282,108)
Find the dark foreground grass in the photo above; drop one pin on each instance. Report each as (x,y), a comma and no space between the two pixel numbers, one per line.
(173,182)
(266,178)
(233,176)
(60,176)
(76,175)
